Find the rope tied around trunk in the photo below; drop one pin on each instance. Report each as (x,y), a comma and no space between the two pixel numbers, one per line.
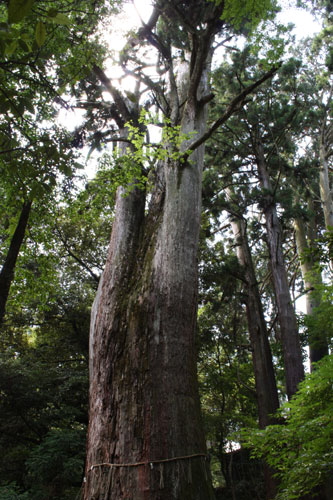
(147,462)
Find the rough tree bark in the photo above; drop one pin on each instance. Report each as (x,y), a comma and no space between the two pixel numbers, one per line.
(144,403)
(292,354)
(142,344)
(8,268)
(266,389)
(145,437)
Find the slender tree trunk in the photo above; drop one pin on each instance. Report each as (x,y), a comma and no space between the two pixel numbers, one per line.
(312,278)
(292,354)
(266,390)
(8,268)
(267,395)
(144,403)
(326,193)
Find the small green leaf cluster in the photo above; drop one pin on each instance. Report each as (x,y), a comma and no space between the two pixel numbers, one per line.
(171,146)
(59,458)
(173,140)
(300,448)
(131,168)
(123,170)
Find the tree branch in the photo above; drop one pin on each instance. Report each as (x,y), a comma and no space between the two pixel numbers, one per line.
(75,257)
(235,105)
(116,95)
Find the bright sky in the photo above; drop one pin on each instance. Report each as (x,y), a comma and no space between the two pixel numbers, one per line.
(305,24)
(140,10)
(130,18)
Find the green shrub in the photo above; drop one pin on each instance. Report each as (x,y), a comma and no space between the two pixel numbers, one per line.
(300,448)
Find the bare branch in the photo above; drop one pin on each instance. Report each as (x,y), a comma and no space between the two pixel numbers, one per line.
(75,257)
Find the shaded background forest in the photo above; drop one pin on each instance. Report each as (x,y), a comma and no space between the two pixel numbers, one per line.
(49,277)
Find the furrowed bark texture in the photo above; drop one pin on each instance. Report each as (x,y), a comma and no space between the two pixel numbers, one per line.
(8,268)
(144,403)
(266,390)
(267,396)
(292,355)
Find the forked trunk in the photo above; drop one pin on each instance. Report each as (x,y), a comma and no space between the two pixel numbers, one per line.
(145,438)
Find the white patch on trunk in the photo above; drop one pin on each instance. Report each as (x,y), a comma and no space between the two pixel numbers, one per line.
(157,322)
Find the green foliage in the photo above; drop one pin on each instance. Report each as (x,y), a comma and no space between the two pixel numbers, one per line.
(320,252)
(55,467)
(121,170)
(270,42)
(44,343)
(171,147)
(319,325)
(226,380)
(40,33)
(254,11)
(12,492)
(43,405)
(132,167)
(36,156)
(300,449)
(18,9)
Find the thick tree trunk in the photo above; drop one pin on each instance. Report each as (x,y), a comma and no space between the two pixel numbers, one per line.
(145,438)
(144,404)
(8,268)
(266,390)
(292,355)
(312,278)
